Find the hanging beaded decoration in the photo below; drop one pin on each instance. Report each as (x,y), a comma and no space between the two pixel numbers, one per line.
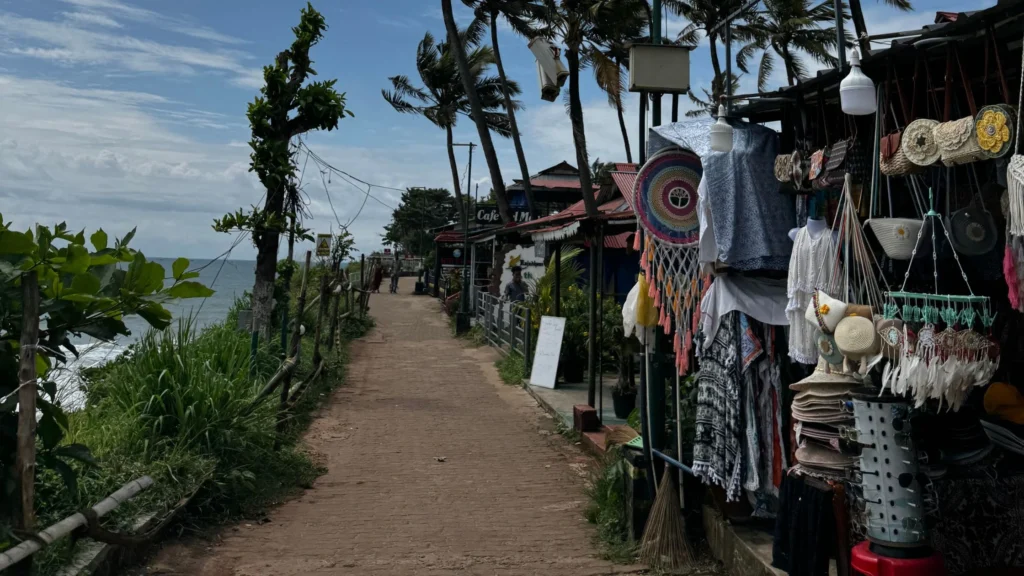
(666,207)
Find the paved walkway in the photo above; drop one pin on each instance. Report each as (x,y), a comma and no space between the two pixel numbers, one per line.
(434,468)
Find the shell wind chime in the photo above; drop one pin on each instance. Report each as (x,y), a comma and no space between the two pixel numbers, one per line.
(665,200)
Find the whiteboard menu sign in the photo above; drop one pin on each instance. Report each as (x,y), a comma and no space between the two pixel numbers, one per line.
(549,348)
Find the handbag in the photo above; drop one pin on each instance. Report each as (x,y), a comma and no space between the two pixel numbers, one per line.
(784,167)
(818,160)
(892,160)
(996,125)
(957,139)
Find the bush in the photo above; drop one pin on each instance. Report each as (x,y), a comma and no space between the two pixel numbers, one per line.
(607,509)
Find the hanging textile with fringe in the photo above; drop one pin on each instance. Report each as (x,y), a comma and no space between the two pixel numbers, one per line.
(668,230)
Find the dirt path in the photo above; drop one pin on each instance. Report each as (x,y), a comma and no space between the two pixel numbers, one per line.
(434,468)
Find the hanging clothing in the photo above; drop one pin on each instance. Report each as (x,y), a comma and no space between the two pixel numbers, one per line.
(752,221)
(762,299)
(808,269)
(707,245)
(718,442)
(805,529)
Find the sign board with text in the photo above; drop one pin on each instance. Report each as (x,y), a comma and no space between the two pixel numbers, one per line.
(488,214)
(549,348)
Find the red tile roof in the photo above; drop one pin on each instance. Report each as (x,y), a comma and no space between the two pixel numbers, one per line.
(450,237)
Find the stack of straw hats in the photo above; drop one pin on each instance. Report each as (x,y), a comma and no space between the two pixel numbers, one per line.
(821,409)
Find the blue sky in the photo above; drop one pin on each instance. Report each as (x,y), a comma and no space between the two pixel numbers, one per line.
(118,113)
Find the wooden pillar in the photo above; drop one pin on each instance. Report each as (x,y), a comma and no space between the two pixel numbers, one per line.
(592,352)
(25,465)
(558,280)
(293,351)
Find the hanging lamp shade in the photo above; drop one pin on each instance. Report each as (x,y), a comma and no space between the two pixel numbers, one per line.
(721,133)
(857,91)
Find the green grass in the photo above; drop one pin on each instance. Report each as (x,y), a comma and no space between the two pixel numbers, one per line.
(177,407)
(607,509)
(512,369)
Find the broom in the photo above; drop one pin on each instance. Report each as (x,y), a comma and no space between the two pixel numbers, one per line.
(620,435)
(664,545)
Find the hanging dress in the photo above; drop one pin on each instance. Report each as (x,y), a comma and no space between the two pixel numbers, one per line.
(808,269)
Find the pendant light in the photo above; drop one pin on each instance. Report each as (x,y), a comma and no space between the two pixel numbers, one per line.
(721,133)
(857,91)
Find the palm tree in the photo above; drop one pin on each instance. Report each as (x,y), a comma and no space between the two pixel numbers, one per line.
(442,98)
(788,28)
(585,27)
(519,15)
(478,112)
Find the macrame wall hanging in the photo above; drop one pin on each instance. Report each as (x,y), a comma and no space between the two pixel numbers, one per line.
(666,207)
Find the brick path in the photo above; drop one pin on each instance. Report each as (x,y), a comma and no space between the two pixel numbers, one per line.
(506,500)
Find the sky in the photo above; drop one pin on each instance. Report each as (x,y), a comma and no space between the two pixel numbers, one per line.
(125,113)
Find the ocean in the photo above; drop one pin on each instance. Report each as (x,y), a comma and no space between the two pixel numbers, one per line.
(229,278)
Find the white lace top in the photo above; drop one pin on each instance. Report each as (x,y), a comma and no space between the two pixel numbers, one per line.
(808,268)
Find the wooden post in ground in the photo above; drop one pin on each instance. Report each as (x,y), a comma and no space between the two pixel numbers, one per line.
(293,352)
(324,302)
(336,301)
(25,467)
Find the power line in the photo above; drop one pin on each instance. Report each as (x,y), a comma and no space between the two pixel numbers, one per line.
(324,163)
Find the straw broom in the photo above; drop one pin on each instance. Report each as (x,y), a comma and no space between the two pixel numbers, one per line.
(664,545)
(620,435)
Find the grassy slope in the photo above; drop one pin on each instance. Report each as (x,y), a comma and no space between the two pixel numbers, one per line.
(177,408)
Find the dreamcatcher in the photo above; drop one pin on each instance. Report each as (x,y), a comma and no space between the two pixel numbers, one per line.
(932,364)
(666,207)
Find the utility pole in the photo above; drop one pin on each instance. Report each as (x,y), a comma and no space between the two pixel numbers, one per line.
(462,319)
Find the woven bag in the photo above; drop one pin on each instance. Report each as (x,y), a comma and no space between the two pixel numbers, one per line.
(784,167)
(818,161)
(892,161)
(995,127)
(898,236)
(958,143)
(918,142)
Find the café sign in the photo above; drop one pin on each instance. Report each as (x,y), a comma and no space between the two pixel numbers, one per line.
(488,214)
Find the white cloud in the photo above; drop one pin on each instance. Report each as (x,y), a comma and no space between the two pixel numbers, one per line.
(69,43)
(92,18)
(155,18)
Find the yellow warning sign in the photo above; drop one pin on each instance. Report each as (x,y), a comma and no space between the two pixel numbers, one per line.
(323,245)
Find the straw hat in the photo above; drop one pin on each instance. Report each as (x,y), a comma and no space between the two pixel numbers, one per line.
(862,310)
(822,416)
(811,454)
(824,379)
(856,337)
(825,312)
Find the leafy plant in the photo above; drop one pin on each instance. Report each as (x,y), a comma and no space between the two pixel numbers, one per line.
(80,291)
(607,492)
(512,369)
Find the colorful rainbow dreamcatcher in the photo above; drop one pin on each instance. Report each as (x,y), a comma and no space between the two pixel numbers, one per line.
(665,201)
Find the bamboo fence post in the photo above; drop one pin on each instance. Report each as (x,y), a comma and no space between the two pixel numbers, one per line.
(336,302)
(25,466)
(282,407)
(324,302)
(62,529)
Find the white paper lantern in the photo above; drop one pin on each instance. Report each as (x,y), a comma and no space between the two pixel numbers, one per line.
(857,91)
(721,133)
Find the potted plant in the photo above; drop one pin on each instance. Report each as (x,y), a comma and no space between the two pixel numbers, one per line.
(625,390)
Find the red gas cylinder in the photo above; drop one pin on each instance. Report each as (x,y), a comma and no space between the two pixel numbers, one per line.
(864,561)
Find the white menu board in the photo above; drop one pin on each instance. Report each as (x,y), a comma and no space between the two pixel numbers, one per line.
(549,348)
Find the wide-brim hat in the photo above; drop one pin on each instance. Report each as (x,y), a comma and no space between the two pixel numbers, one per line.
(856,337)
(811,454)
(822,416)
(824,377)
(824,393)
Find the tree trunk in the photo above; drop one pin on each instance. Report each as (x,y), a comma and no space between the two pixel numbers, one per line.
(455,175)
(263,289)
(579,138)
(527,189)
(787,61)
(477,109)
(714,56)
(625,133)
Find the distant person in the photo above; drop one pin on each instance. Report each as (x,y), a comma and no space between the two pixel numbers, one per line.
(394,279)
(515,291)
